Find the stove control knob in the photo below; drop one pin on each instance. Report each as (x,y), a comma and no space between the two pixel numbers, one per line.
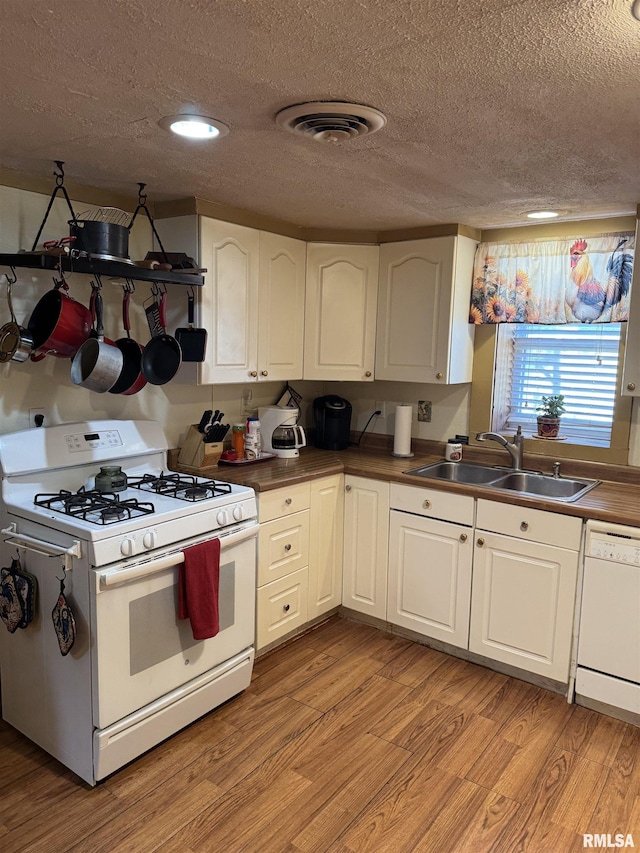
(221,518)
(149,539)
(127,547)
(238,514)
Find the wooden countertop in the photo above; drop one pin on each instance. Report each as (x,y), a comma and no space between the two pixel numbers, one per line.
(613,501)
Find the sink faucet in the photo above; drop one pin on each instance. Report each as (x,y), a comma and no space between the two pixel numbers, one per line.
(514,448)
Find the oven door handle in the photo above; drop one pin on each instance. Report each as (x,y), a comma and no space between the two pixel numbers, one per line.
(113,577)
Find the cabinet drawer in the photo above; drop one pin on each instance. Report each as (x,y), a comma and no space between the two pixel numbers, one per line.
(536,525)
(281,607)
(432,503)
(283,546)
(284,501)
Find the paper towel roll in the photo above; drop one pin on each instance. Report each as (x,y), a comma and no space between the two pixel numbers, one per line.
(402,435)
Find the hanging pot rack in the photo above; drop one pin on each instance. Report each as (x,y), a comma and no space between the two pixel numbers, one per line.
(75,262)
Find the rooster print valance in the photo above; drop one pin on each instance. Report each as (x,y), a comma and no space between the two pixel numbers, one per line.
(578,280)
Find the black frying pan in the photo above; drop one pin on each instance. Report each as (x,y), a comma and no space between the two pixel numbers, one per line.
(162,356)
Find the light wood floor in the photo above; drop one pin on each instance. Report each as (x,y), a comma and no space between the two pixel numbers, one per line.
(348,739)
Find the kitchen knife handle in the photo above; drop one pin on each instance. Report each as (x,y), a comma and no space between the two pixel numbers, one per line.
(204,420)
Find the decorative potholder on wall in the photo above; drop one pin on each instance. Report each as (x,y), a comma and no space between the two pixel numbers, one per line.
(11,611)
(64,622)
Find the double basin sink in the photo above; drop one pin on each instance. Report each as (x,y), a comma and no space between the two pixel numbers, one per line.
(528,483)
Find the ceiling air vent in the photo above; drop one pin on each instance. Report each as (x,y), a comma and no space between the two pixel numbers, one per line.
(331,121)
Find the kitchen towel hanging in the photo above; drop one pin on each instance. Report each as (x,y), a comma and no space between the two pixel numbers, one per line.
(402,433)
(198,584)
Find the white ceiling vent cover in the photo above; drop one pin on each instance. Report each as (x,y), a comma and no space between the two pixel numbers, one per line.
(331,121)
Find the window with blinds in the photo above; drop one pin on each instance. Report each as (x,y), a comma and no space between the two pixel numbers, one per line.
(578,360)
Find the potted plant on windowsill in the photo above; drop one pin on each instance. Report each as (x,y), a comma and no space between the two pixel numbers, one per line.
(551,409)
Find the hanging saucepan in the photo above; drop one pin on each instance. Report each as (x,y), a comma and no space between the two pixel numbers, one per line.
(16,344)
(162,355)
(58,324)
(98,363)
(131,379)
(102,233)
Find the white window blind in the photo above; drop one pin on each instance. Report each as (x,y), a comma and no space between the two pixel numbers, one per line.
(579,361)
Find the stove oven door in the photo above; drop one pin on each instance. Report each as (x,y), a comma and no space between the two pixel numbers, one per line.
(142,651)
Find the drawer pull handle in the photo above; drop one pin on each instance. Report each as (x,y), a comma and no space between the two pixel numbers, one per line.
(288,501)
(463,537)
(253,373)
(524,525)
(368,374)
(439,375)
(347,488)
(631,386)
(426,504)
(480,542)
(264,373)
(286,608)
(287,547)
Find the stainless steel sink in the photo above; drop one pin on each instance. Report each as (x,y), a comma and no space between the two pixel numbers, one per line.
(544,485)
(527,483)
(459,472)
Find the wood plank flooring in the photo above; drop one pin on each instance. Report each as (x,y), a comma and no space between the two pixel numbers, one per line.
(348,740)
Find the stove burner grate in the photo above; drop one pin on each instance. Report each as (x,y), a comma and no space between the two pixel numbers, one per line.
(93,506)
(183,487)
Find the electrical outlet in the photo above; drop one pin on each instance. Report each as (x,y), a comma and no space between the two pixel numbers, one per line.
(382,406)
(38,417)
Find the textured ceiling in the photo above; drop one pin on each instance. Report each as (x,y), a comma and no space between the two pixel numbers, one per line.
(494,107)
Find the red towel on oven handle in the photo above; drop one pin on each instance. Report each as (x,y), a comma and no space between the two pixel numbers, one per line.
(198,582)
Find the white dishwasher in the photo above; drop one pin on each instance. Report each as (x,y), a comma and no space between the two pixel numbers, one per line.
(608,673)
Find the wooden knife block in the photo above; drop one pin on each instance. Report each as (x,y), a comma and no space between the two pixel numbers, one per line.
(195,453)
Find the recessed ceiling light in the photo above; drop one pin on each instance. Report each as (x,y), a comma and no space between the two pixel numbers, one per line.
(542,214)
(194,126)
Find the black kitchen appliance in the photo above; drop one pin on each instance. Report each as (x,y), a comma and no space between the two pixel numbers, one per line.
(332,422)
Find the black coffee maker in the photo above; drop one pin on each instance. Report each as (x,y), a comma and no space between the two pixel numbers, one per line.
(332,422)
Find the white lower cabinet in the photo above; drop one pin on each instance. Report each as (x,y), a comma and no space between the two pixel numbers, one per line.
(366,539)
(430,562)
(525,569)
(299,556)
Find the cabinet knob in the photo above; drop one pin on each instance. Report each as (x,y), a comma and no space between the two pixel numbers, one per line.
(426,504)
(439,375)
(286,608)
(287,547)
(347,488)
(253,373)
(480,543)
(288,501)
(463,537)
(264,373)
(524,525)
(631,386)
(368,374)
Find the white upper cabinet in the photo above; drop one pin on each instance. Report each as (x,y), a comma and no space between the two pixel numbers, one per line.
(340,315)
(423,330)
(281,278)
(252,301)
(631,370)
(229,301)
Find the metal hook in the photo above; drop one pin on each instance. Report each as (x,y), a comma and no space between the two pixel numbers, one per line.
(11,279)
(59,177)
(142,196)
(64,575)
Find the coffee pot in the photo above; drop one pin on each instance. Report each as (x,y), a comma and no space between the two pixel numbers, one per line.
(281,434)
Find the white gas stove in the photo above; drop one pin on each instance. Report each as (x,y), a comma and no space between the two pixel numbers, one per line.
(135,674)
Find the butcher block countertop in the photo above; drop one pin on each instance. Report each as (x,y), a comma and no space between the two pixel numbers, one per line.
(615,500)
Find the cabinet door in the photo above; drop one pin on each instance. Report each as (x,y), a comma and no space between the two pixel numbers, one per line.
(325,544)
(522,603)
(229,301)
(281,307)
(423,331)
(631,370)
(340,313)
(366,540)
(430,577)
